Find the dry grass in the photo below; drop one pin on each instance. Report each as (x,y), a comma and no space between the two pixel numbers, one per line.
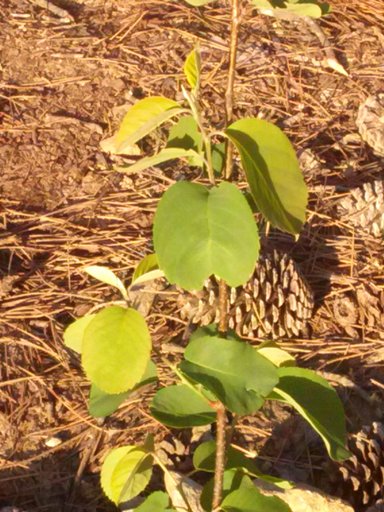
(64,207)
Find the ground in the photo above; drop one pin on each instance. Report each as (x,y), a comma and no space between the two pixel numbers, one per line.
(67,77)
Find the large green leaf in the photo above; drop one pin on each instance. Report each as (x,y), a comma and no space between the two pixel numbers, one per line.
(185,135)
(74,333)
(116,349)
(272,171)
(180,406)
(232,370)
(204,460)
(232,480)
(143,117)
(103,404)
(156,502)
(318,403)
(126,471)
(164,155)
(250,499)
(199,232)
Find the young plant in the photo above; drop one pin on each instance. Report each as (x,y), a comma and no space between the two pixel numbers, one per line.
(199,231)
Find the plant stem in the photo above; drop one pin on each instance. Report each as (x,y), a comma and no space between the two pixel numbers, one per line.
(221,419)
(235,21)
(223,301)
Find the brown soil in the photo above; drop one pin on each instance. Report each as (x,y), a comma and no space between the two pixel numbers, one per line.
(67,77)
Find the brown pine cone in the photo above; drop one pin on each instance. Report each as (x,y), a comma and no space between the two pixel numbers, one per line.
(364,208)
(360,479)
(370,122)
(276,302)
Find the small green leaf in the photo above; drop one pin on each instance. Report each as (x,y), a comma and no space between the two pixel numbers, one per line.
(198,3)
(180,406)
(318,403)
(276,355)
(116,349)
(185,134)
(250,499)
(199,232)
(272,171)
(204,460)
(164,155)
(105,275)
(310,8)
(233,479)
(74,333)
(103,404)
(144,117)
(156,502)
(232,370)
(218,157)
(192,68)
(125,473)
(147,269)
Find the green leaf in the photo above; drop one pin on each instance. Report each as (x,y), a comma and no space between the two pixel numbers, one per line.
(232,370)
(146,270)
(204,460)
(116,349)
(310,8)
(272,171)
(105,275)
(276,355)
(74,333)
(318,403)
(180,406)
(232,480)
(250,499)
(164,155)
(218,157)
(144,117)
(192,68)
(198,3)
(156,502)
(126,471)
(199,232)
(103,404)
(185,135)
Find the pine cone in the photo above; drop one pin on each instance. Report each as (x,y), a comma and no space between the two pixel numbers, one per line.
(360,479)
(364,208)
(276,302)
(370,122)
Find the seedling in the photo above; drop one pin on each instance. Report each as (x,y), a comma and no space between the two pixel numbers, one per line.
(203,230)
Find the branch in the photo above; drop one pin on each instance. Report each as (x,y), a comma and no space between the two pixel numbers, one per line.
(221,419)
(235,21)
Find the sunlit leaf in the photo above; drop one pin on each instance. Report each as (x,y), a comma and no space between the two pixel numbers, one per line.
(143,117)
(185,134)
(107,276)
(199,232)
(232,370)
(125,472)
(272,171)
(74,333)
(192,68)
(198,3)
(116,349)
(103,404)
(180,406)
(146,270)
(318,403)
(276,355)
(164,155)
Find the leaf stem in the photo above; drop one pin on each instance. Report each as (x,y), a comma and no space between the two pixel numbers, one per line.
(235,22)
(221,419)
